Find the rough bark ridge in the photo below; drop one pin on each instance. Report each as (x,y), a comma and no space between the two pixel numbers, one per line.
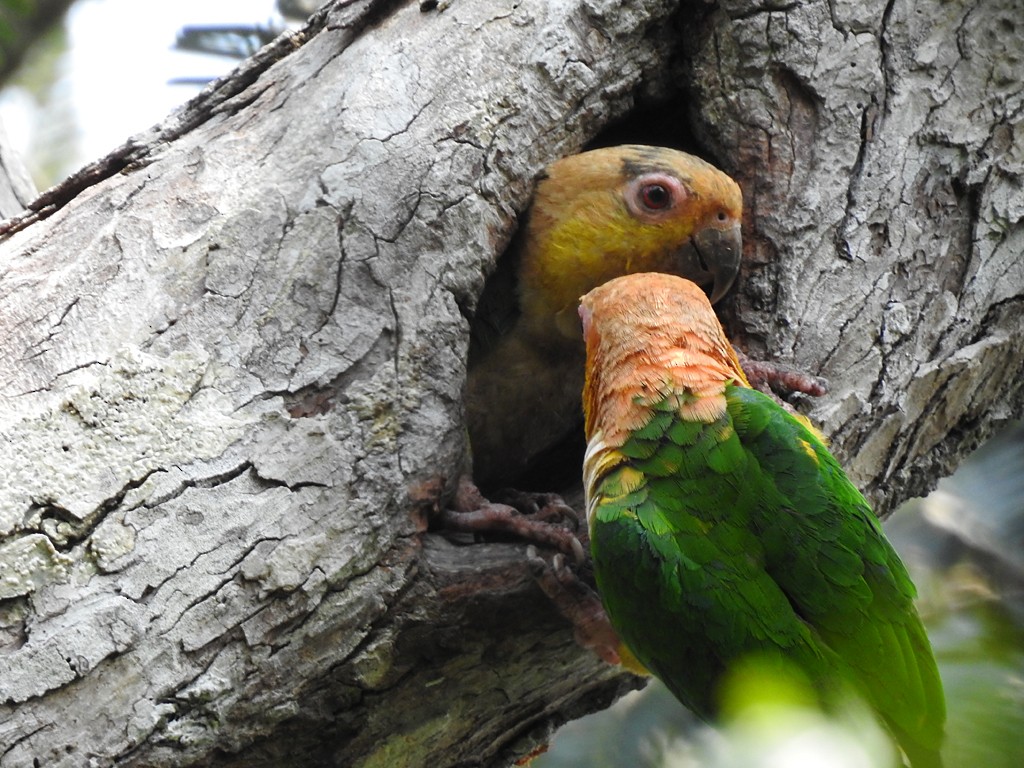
(881,150)
(234,354)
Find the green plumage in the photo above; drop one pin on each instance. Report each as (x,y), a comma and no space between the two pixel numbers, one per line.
(715,541)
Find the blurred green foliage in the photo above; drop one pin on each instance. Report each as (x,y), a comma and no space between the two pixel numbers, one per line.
(22,22)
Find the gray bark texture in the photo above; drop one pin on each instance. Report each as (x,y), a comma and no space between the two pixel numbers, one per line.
(234,352)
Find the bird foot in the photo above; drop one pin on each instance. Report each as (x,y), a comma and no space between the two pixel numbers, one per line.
(781,380)
(536,518)
(578,603)
(545,507)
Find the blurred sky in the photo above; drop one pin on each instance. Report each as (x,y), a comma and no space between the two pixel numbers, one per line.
(112,79)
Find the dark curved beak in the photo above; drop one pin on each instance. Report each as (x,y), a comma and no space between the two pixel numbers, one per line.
(713,256)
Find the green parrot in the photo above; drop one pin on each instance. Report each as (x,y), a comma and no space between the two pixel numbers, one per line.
(723,530)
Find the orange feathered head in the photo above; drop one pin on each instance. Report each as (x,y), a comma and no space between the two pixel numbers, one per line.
(649,337)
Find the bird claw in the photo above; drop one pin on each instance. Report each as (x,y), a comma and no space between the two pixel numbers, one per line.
(476,514)
(578,603)
(782,380)
(547,507)
(572,597)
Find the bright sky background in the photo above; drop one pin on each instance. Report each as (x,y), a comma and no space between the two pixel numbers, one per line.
(114,77)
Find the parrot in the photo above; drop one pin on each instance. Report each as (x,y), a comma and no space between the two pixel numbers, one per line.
(723,529)
(595,215)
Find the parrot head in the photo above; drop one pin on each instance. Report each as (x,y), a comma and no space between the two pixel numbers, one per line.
(626,209)
(650,336)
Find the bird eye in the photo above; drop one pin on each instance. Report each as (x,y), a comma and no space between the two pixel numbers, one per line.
(722,216)
(655,197)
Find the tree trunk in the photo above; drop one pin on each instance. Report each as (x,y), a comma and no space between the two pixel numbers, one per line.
(235,352)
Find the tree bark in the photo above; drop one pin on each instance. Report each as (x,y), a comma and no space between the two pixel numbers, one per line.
(235,352)
(881,148)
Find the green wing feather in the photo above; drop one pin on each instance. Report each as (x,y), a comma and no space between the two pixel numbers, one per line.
(714,541)
(850,584)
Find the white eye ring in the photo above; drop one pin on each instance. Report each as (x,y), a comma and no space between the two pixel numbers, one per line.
(651,196)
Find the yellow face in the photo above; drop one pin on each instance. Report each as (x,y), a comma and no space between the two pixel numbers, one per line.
(621,210)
